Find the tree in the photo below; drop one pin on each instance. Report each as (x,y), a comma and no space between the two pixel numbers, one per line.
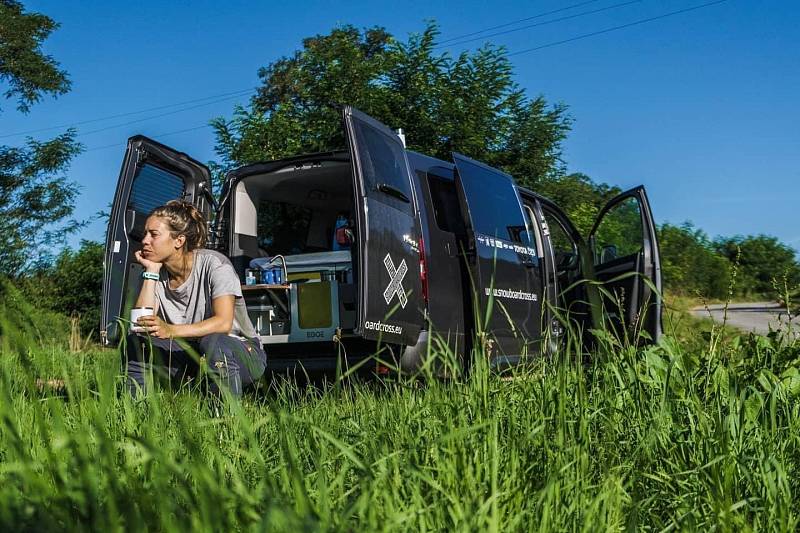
(690,264)
(469,103)
(70,286)
(29,73)
(579,197)
(761,258)
(36,200)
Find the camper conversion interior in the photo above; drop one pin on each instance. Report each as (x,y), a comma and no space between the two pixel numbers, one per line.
(299,218)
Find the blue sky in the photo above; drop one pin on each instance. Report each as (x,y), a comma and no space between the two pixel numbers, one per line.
(702,107)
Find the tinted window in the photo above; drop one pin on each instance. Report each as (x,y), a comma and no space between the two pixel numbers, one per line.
(283,228)
(559,237)
(619,233)
(444,202)
(493,204)
(153,187)
(382,161)
(531,218)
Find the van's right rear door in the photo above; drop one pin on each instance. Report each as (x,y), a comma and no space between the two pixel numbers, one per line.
(503,257)
(152,174)
(388,271)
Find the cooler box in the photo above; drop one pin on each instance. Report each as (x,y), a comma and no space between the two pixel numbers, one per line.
(314,293)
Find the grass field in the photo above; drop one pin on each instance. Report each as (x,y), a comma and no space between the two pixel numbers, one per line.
(699,432)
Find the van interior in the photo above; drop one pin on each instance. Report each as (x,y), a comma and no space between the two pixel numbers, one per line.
(301,216)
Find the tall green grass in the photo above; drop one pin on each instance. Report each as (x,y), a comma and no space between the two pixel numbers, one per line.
(660,438)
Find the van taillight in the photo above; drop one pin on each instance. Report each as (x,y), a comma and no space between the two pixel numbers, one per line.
(423,270)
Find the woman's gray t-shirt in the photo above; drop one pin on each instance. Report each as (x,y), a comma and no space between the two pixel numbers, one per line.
(212,276)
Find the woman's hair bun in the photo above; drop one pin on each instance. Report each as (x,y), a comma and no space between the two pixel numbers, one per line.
(183,218)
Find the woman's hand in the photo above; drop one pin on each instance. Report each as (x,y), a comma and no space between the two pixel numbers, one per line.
(154,326)
(150,266)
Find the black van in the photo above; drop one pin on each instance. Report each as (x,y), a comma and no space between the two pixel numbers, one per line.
(382,244)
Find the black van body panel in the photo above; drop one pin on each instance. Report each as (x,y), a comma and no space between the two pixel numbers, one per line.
(635,279)
(444,235)
(162,174)
(504,262)
(570,302)
(551,329)
(387,232)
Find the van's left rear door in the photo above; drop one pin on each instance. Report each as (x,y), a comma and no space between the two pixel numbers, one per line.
(152,174)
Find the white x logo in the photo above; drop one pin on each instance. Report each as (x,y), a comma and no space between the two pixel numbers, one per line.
(396,284)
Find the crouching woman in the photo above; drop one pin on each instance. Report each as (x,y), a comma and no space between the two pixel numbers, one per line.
(197,298)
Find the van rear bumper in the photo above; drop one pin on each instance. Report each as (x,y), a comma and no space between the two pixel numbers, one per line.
(313,365)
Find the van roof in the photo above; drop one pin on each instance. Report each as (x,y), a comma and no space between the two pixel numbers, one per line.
(270,166)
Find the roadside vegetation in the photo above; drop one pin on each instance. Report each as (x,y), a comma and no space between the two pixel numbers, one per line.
(700,431)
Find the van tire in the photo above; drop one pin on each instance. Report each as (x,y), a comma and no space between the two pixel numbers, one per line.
(413,357)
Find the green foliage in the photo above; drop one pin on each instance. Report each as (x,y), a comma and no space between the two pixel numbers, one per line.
(579,196)
(24,326)
(36,200)
(620,233)
(71,285)
(78,280)
(662,438)
(690,263)
(469,103)
(761,259)
(28,72)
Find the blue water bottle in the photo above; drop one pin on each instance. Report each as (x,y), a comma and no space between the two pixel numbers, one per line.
(341,221)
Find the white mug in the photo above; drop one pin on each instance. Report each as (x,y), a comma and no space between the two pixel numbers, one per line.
(137,312)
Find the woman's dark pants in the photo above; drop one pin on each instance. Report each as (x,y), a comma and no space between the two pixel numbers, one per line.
(235,363)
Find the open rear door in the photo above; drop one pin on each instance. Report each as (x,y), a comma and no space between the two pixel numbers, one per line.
(626,259)
(388,262)
(152,174)
(504,263)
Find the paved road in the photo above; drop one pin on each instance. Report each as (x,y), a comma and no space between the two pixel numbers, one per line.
(751,316)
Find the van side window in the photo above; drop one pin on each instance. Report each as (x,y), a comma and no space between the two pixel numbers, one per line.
(493,205)
(382,161)
(620,233)
(153,187)
(444,201)
(534,228)
(564,248)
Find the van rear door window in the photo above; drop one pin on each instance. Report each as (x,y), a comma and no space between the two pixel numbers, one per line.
(382,163)
(153,187)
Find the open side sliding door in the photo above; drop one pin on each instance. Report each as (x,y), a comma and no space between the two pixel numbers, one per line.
(626,259)
(389,286)
(152,174)
(503,259)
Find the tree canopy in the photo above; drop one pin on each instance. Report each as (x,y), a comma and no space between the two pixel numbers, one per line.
(468,103)
(36,199)
(28,72)
(690,264)
(761,259)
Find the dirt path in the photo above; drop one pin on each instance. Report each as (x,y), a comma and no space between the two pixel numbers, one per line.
(750,316)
